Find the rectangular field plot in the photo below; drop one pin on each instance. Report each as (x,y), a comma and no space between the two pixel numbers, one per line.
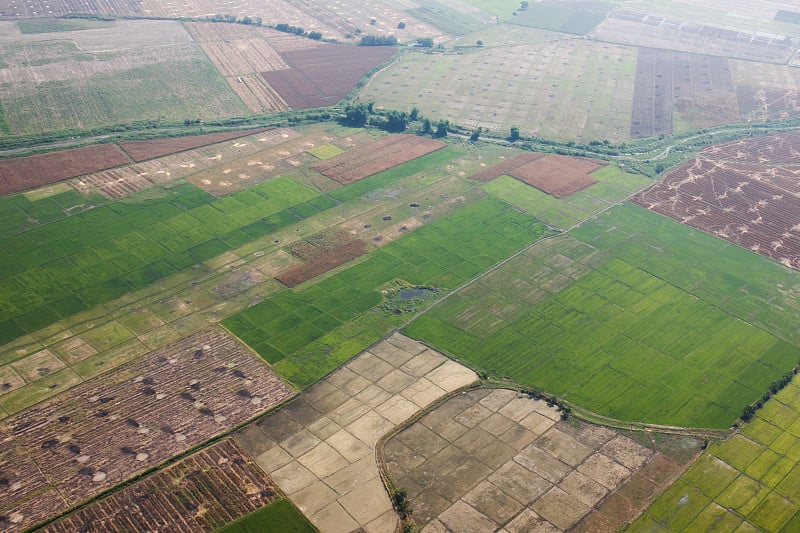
(443,254)
(674,339)
(734,202)
(209,489)
(752,475)
(741,283)
(73,80)
(562,89)
(613,185)
(53,271)
(376,156)
(30,172)
(680,91)
(671,32)
(155,407)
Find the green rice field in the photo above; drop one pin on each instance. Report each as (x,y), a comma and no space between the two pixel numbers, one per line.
(73,263)
(278,517)
(334,312)
(749,482)
(599,318)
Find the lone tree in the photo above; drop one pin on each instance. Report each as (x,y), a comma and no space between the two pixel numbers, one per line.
(426,127)
(401,25)
(441,129)
(514,136)
(476,133)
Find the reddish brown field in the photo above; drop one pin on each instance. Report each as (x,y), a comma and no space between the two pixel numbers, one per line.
(322,263)
(107,430)
(557,175)
(144,150)
(324,75)
(377,156)
(748,203)
(500,169)
(55,8)
(206,490)
(25,173)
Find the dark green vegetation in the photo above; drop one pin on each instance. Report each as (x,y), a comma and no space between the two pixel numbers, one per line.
(335,312)
(557,18)
(56,269)
(278,517)
(626,308)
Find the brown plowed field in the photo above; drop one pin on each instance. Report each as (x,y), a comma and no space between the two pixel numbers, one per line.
(24,173)
(55,8)
(104,431)
(495,171)
(557,175)
(143,150)
(698,87)
(377,156)
(764,149)
(754,206)
(206,490)
(324,75)
(331,259)
(759,103)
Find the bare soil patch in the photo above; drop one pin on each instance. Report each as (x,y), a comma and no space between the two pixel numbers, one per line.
(502,460)
(24,173)
(376,156)
(557,175)
(143,150)
(106,430)
(207,490)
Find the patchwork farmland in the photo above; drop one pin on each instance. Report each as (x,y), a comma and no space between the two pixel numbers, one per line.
(266,327)
(620,295)
(503,459)
(212,384)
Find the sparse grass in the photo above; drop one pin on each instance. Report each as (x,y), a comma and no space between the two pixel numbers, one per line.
(563,90)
